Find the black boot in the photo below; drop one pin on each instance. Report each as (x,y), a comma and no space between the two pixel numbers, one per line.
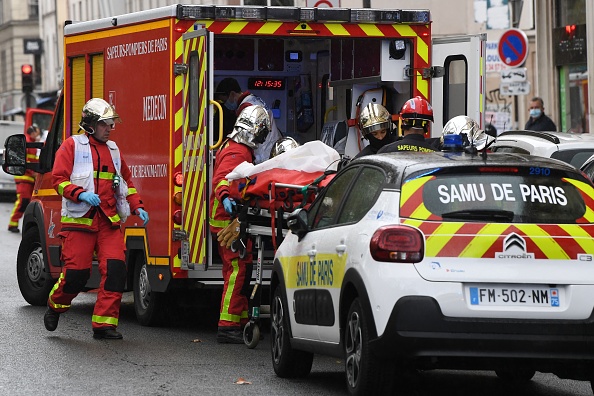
(107,333)
(50,319)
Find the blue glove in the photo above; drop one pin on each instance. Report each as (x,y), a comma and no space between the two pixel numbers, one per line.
(143,216)
(90,198)
(229,205)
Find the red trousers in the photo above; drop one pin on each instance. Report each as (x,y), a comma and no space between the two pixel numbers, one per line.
(237,274)
(78,248)
(24,192)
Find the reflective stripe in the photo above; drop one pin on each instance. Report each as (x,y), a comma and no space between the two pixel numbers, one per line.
(225,315)
(79,220)
(132,190)
(24,178)
(104,175)
(62,186)
(223,182)
(115,218)
(105,320)
(234,318)
(214,222)
(51,302)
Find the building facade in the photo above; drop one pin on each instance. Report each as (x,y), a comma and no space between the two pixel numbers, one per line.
(557,63)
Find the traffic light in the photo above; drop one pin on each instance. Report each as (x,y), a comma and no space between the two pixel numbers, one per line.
(27,78)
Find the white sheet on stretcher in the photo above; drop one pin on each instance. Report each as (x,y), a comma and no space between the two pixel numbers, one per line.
(313,156)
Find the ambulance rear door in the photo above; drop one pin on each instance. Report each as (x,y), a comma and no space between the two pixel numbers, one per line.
(195,147)
(458,83)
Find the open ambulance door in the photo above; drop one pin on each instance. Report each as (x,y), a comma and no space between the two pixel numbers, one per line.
(458,85)
(194,149)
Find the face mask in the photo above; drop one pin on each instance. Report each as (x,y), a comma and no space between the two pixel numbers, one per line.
(231,105)
(535,113)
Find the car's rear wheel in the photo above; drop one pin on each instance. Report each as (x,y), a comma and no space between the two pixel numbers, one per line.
(364,374)
(286,361)
(34,281)
(516,374)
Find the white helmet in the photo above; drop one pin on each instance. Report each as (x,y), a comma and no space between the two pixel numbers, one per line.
(96,110)
(469,130)
(282,145)
(251,127)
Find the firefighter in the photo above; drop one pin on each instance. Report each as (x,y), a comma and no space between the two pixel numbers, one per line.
(88,172)
(415,116)
(25,183)
(375,122)
(283,145)
(237,100)
(251,129)
(470,132)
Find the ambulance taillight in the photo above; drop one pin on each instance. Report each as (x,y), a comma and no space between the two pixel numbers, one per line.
(397,243)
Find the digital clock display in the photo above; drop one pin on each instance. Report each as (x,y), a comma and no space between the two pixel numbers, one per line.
(266,83)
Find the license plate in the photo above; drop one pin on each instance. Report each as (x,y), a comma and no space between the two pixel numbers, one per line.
(514,295)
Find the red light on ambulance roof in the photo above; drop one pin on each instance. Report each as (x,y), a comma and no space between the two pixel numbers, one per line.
(497,169)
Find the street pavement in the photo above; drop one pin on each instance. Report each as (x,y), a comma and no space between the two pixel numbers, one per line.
(182,358)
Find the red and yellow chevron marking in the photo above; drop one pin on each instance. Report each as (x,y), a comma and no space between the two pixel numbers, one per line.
(420,35)
(195,205)
(484,240)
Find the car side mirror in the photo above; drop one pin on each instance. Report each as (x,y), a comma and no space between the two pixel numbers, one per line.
(15,155)
(297,222)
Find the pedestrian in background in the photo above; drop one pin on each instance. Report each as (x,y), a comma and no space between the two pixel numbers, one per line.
(539,121)
(89,173)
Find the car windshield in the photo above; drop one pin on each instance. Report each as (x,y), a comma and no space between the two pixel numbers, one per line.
(540,195)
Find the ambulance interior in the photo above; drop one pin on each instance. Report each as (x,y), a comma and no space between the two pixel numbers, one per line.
(314,85)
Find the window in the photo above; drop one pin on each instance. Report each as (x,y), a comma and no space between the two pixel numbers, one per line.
(194,76)
(33,9)
(326,207)
(362,196)
(456,80)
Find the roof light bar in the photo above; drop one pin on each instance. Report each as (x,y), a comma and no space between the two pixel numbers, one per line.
(307,14)
(333,14)
(416,16)
(283,13)
(375,16)
(195,12)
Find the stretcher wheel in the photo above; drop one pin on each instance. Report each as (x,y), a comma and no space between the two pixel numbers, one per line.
(251,335)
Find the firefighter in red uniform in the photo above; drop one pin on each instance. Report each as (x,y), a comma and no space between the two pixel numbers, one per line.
(88,173)
(250,130)
(416,115)
(25,183)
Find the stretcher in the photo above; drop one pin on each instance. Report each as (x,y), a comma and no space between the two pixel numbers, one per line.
(262,216)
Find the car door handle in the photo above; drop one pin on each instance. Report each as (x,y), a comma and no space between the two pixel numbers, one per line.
(312,253)
(340,249)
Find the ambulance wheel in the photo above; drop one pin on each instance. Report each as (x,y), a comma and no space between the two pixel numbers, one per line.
(364,374)
(148,305)
(34,281)
(286,361)
(251,335)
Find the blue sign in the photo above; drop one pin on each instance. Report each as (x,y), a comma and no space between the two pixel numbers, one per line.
(513,47)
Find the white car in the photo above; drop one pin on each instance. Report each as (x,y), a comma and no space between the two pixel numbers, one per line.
(7,184)
(442,260)
(573,148)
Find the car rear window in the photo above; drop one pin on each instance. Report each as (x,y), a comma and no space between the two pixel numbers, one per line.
(503,195)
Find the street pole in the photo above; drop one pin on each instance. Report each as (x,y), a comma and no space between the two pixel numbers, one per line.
(515,13)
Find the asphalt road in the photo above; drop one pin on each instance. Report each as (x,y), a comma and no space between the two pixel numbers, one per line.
(180,359)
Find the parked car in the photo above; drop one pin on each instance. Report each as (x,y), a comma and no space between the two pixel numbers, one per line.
(573,148)
(445,260)
(7,184)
